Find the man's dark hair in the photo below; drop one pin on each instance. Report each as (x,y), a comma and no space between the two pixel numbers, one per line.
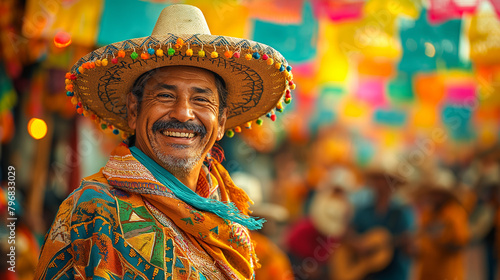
(140,83)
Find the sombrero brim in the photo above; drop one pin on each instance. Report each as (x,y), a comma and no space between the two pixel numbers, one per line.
(257,80)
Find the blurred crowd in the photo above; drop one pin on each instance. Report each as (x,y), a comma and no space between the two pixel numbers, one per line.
(395,218)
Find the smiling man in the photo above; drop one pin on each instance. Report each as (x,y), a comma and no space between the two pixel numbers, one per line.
(178,113)
(163,207)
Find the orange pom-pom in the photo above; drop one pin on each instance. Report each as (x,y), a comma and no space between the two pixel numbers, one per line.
(121,53)
(237,129)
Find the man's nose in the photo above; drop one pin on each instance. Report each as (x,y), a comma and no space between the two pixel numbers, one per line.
(182,111)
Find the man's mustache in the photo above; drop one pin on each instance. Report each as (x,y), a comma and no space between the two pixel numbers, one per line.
(175,124)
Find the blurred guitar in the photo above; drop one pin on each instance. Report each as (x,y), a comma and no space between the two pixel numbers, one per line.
(372,252)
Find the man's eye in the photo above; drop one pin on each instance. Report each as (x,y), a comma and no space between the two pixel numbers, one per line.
(201,99)
(165,95)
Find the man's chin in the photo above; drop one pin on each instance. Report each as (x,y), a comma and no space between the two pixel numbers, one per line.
(178,165)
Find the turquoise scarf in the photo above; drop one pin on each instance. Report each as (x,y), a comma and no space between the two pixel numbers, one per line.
(225,210)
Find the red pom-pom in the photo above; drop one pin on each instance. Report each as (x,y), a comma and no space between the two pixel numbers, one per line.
(114,60)
(290,83)
(236,55)
(265,57)
(79,104)
(72,77)
(273,117)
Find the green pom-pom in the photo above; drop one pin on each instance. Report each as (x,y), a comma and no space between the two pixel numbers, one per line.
(104,126)
(171,51)
(230,133)
(134,55)
(259,121)
(288,100)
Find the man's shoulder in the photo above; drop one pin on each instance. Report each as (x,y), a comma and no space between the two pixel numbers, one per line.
(92,191)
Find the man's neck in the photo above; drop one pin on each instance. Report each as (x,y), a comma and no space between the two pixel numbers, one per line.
(190,179)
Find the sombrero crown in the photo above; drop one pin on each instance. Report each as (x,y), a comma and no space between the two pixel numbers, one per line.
(257,77)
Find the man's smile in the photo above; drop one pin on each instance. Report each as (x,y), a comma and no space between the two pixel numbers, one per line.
(178,134)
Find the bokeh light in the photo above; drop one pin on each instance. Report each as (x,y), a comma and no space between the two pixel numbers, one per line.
(62,39)
(37,128)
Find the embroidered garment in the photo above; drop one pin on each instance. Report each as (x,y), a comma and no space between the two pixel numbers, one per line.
(121,223)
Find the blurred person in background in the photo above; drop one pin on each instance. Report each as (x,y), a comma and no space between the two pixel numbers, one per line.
(378,243)
(443,229)
(312,241)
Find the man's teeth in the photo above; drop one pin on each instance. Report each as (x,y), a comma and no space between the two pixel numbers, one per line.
(178,134)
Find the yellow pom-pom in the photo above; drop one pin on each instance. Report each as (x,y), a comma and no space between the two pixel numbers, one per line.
(159,52)
(98,63)
(85,113)
(214,54)
(74,101)
(292,86)
(248,56)
(270,61)
(277,65)
(201,53)
(81,69)
(67,81)
(104,62)
(189,52)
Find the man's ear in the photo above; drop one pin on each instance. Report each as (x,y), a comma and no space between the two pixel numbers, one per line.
(132,110)
(222,125)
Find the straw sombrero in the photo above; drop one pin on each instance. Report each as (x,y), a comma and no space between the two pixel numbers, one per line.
(257,76)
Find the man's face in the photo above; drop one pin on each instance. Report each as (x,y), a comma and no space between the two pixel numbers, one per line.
(178,119)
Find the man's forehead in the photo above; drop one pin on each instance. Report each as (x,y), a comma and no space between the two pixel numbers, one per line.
(187,72)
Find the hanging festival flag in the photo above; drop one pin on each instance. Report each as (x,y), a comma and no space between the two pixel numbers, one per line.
(442,10)
(226,17)
(372,91)
(125,19)
(429,88)
(298,43)
(326,106)
(427,47)
(277,11)
(390,117)
(424,115)
(400,90)
(406,8)
(483,37)
(371,36)
(457,120)
(376,66)
(461,93)
(339,9)
(333,63)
